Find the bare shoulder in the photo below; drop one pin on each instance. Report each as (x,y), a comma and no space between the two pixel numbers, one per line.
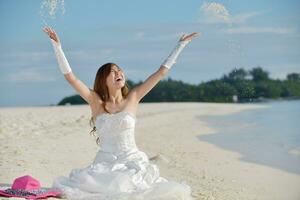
(95,99)
(132,98)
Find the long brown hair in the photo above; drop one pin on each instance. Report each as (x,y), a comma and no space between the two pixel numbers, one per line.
(102,91)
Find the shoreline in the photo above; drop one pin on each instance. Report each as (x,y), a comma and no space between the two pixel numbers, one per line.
(40,142)
(256,101)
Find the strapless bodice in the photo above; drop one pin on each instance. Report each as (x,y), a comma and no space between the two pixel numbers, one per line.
(116,131)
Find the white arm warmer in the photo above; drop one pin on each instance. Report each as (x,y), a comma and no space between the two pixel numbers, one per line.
(61,58)
(171,59)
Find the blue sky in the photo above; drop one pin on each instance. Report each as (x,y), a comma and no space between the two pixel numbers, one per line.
(138,35)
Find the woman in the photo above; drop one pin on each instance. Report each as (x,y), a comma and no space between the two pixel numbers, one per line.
(120,170)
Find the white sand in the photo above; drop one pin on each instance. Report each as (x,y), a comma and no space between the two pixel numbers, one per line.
(46,142)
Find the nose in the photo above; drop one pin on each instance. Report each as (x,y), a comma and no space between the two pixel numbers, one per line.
(118,73)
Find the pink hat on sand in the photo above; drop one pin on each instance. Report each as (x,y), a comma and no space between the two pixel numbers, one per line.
(28,188)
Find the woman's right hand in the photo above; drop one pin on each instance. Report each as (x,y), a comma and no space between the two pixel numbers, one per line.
(51,33)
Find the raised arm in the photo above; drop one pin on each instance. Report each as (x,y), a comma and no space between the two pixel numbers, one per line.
(141,90)
(65,68)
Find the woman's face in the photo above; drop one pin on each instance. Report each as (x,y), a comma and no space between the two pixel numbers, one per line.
(116,78)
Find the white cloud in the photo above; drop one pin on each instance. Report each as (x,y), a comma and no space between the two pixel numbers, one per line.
(253,29)
(29,75)
(214,13)
(91,55)
(33,56)
(243,17)
(140,34)
(159,38)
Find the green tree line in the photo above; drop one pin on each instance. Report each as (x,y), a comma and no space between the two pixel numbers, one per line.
(239,85)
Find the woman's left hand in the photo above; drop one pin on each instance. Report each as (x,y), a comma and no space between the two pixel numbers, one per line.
(186,37)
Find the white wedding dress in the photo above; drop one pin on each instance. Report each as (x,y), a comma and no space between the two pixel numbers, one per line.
(120,171)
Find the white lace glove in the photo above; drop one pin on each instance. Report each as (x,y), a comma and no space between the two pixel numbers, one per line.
(61,58)
(171,59)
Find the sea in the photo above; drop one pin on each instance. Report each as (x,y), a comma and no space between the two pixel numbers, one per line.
(268,136)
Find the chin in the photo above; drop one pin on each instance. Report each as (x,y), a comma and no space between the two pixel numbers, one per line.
(120,85)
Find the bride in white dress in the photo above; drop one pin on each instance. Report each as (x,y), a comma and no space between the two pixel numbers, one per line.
(120,171)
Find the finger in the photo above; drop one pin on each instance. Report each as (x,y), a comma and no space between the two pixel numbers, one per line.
(46,29)
(49,29)
(192,35)
(195,34)
(183,37)
(52,30)
(47,32)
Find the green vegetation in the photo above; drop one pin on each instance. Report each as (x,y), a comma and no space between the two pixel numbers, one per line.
(247,86)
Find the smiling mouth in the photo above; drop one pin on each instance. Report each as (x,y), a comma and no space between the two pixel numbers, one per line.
(119,79)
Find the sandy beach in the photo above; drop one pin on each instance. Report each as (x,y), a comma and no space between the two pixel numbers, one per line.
(46,142)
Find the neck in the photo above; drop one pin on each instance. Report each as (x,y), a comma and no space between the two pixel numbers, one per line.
(115,96)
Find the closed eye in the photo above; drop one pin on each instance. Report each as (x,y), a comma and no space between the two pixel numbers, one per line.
(115,70)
